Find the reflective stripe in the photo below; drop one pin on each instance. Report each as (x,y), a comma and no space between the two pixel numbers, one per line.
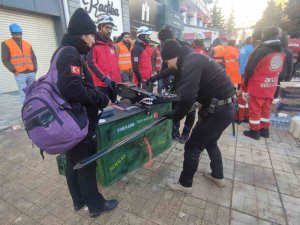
(265,120)
(124,62)
(22,63)
(20,57)
(230,60)
(242,106)
(254,121)
(124,55)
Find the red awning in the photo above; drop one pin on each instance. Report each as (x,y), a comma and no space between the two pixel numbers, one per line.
(200,15)
(183,8)
(191,36)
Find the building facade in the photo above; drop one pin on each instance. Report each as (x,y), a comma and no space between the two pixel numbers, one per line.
(45,21)
(196,16)
(155,14)
(43,24)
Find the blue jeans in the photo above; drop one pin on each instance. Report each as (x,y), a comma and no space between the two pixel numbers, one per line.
(160,86)
(23,80)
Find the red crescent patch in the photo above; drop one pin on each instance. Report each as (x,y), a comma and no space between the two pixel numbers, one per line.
(75,70)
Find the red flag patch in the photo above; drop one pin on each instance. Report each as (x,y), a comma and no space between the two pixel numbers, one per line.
(75,70)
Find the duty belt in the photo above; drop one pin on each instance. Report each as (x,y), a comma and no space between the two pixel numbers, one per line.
(225,102)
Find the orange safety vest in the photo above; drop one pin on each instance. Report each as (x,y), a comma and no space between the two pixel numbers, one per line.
(219,53)
(124,57)
(21,60)
(232,64)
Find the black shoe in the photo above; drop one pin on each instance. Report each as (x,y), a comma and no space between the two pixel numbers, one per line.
(108,206)
(175,135)
(264,133)
(79,206)
(255,134)
(183,139)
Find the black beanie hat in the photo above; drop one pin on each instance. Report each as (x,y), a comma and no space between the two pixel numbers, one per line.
(81,23)
(170,50)
(124,33)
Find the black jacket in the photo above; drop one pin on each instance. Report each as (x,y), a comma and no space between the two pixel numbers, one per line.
(5,55)
(75,87)
(259,53)
(200,79)
(287,70)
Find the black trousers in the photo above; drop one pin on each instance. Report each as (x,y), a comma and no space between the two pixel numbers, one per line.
(205,136)
(188,124)
(82,183)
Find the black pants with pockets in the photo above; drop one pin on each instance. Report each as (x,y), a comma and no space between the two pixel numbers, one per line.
(205,135)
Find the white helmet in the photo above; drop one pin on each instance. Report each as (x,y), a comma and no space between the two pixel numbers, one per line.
(103,19)
(143,30)
(199,35)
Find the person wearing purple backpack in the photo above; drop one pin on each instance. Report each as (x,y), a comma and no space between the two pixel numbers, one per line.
(76,86)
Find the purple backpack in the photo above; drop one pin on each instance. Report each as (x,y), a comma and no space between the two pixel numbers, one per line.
(52,124)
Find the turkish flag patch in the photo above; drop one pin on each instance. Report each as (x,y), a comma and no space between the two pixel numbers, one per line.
(75,70)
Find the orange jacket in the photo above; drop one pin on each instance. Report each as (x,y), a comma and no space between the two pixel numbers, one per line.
(124,56)
(232,64)
(21,60)
(219,53)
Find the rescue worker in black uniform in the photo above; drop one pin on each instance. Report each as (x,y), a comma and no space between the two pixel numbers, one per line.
(201,80)
(166,74)
(76,86)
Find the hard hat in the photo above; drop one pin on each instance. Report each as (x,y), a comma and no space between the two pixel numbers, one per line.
(104,19)
(143,30)
(15,28)
(199,35)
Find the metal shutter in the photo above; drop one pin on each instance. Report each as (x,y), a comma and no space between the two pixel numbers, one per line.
(38,31)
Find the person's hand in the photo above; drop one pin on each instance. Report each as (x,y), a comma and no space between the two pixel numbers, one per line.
(150,81)
(17,73)
(245,96)
(109,83)
(169,115)
(109,103)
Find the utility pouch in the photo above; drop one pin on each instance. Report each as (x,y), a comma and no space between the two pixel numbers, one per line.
(212,107)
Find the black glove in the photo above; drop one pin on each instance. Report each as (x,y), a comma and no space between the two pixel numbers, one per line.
(150,81)
(111,84)
(169,115)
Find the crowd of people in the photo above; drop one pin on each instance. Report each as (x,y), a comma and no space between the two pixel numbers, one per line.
(90,65)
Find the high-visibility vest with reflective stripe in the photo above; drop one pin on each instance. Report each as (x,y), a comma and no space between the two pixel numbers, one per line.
(158,60)
(232,64)
(21,60)
(219,54)
(124,57)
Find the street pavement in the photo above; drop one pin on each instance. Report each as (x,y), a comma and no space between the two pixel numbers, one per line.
(262,177)
(10,110)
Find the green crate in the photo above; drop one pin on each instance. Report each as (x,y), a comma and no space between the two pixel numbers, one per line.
(133,154)
(113,166)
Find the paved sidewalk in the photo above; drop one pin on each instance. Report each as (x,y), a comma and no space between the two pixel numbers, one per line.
(263,187)
(10,110)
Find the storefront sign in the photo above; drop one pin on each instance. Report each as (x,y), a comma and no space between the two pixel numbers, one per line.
(95,8)
(144,13)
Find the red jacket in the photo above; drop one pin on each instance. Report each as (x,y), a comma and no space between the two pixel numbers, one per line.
(105,58)
(264,81)
(201,50)
(141,57)
(294,45)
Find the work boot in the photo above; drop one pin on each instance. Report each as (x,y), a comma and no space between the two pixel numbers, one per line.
(264,133)
(183,139)
(108,206)
(254,134)
(175,134)
(173,183)
(79,205)
(218,182)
